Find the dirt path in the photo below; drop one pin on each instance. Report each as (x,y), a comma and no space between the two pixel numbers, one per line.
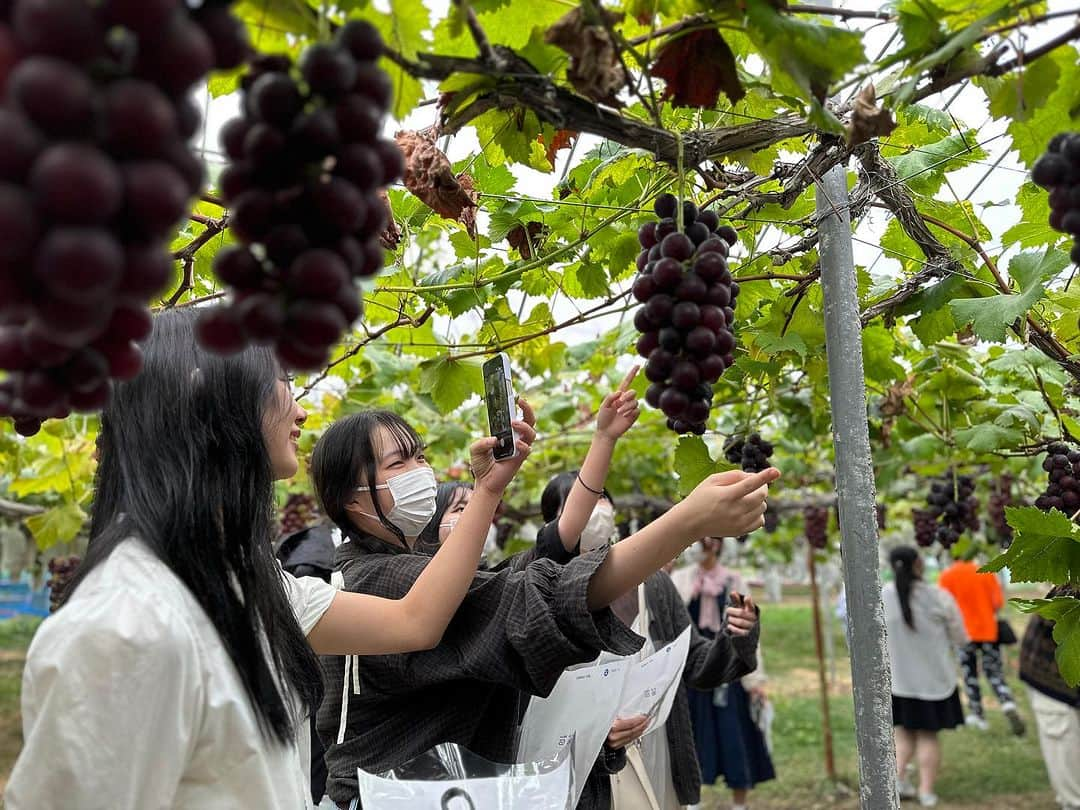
(1026,801)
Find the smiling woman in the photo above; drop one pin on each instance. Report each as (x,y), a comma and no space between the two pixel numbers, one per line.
(180,596)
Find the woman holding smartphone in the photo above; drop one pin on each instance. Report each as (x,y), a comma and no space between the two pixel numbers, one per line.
(517,629)
(182,668)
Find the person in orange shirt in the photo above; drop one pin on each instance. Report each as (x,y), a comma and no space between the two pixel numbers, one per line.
(980,598)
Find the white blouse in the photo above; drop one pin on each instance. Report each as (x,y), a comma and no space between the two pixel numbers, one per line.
(923,660)
(130,701)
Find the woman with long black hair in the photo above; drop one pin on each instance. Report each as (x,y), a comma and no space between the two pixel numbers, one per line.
(518,628)
(181,669)
(925,629)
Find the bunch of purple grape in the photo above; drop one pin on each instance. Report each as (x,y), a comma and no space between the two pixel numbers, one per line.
(1058,171)
(925,527)
(95,174)
(816,526)
(306,165)
(954,506)
(1062,463)
(688,297)
(300,512)
(61,570)
(1001,496)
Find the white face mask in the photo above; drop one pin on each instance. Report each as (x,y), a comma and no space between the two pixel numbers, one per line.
(414,500)
(696,552)
(600,528)
(491,544)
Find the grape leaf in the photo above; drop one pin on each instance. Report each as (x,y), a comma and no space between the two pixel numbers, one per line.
(450,382)
(696,67)
(868,120)
(429,175)
(562,139)
(1045,548)
(991,316)
(1064,612)
(693,464)
(60,524)
(595,70)
(987,437)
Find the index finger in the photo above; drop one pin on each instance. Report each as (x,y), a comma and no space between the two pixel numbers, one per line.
(628,379)
(527,414)
(754,482)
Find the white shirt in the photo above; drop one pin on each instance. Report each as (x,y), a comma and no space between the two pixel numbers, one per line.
(130,702)
(923,660)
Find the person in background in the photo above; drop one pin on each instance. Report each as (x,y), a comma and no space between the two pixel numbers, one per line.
(979,598)
(924,628)
(730,743)
(660,768)
(519,627)
(1055,703)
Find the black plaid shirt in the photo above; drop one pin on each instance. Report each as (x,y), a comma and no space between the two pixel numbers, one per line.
(516,631)
(709,663)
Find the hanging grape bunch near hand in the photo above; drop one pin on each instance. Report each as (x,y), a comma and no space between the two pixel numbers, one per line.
(752,454)
(688,298)
(816,526)
(61,571)
(954,506)
(1062,464)
(95,175)
(1058,171)
(302,185)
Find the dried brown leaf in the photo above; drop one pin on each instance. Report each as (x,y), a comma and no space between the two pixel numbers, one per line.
(562,139)
(696,67)
(525,238)
(390,238)
(429,175)
(867,119)
(595,70)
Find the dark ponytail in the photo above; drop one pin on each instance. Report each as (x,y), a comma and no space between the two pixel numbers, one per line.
(902,560)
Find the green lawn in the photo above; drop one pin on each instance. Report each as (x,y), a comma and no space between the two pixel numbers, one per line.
(991,770)
(981,770)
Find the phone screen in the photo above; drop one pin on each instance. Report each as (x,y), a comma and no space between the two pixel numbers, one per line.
(498,400)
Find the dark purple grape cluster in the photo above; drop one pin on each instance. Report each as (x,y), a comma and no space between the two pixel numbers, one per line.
(1062,463)
(926,527)
(772,519)
(306,166)
(688,310)
(300,512)
(954,506)
(1058,171)
(95,174)
(1001,496)
(61,570)
(751,453)
(816,526)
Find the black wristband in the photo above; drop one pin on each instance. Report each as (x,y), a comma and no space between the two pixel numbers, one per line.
(599,493)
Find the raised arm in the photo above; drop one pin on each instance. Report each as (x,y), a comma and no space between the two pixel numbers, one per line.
(617,414)
(723,505)
(359,624)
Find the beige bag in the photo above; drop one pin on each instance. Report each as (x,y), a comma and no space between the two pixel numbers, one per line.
(631,788)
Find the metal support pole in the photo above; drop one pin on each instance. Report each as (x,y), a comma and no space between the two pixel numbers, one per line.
(870,674)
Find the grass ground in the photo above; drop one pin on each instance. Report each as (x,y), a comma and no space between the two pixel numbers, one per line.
(988,771)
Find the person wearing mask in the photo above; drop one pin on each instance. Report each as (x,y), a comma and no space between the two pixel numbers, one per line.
(660,770)
(979,597)
(181,625)
(924,628)
(1056,705)
(730,744)
(519,626)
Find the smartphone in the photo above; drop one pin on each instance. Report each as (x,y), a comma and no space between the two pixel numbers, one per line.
(501,405)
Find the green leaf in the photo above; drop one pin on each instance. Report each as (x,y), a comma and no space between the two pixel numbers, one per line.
(805,58)
(60,524)
(987,437)
(1030,268)
(924,169)
(991,316)
(772,343)
(693,464)
(1064,612)
(1045,547)
(450,382)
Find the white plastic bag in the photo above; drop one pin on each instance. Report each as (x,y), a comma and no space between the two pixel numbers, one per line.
(450,777)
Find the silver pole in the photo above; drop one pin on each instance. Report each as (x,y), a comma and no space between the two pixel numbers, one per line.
(870,674)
